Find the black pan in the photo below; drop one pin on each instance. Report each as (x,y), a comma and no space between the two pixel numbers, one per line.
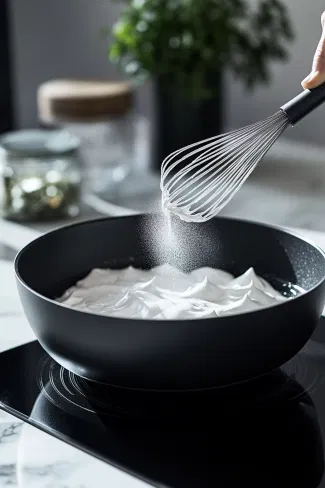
(170,355)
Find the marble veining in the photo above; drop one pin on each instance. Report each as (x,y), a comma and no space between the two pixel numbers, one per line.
(45,461)
(10,430)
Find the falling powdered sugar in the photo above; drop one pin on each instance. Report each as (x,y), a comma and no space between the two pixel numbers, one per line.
(184,246)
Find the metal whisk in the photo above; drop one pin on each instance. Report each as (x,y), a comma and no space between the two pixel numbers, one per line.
(197,181)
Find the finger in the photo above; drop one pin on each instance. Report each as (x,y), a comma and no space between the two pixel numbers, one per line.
(317,74)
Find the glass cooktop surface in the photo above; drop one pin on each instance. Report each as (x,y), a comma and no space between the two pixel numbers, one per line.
(263,433)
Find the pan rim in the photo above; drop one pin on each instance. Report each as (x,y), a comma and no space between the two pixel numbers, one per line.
(284,230)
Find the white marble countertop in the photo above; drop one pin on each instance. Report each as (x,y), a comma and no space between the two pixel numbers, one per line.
(28,456)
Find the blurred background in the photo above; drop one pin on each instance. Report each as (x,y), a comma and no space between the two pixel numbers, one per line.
(135,124)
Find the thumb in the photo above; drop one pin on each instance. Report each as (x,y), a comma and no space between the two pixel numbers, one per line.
(317,75)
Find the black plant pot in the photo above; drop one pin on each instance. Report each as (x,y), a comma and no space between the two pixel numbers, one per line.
(180,121)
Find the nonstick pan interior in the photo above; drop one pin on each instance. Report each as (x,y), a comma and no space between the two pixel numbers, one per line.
(170,355)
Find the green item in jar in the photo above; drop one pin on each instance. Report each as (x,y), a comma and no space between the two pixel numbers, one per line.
(37,198)
(40,175)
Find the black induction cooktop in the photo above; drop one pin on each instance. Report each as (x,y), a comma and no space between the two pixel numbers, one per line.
(267,432)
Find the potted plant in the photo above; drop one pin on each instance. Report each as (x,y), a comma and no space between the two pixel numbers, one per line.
(185,46)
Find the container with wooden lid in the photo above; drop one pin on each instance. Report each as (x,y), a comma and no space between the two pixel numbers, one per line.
(100,114)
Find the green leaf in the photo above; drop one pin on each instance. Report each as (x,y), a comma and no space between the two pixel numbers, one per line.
(184,41)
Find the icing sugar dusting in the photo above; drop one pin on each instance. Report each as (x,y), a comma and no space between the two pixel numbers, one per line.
(185,246)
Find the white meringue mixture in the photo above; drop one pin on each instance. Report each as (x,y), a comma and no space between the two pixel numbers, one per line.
(166,293)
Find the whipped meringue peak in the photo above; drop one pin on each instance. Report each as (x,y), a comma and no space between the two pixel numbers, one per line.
(167,293)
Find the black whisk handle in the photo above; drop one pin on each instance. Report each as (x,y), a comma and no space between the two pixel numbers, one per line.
(304,103)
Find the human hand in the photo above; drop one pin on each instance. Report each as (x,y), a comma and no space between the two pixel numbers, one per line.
(317,74)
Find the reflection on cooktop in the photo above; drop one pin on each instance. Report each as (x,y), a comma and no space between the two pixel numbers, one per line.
(71,393)
(263,433)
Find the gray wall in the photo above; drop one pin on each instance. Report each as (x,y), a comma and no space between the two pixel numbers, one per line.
(61,38)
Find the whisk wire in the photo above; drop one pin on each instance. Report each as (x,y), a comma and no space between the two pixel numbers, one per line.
(204,172)
(198,180)
(242,175)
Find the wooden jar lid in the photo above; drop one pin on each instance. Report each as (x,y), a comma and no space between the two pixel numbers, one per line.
(83,100)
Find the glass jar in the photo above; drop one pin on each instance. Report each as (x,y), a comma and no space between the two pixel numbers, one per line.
(100,114)
(40,176)
(107,151)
